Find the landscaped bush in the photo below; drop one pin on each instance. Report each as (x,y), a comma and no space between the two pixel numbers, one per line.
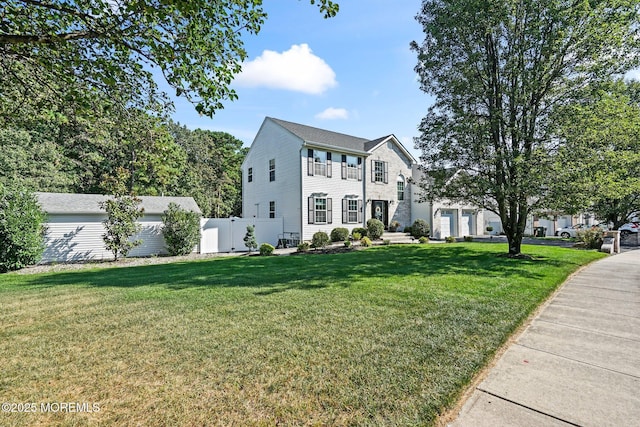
(356,236)
(450,239)
(347,243)
(407,229)
(365,241)
(361,231)
(386,242)
(21,229)
(420,228)
(266,249)
(320,239)
(250,238)
(468,238)
(375,228)
(592,238)
(304,247)
(423,239)
(181,229)
(393,227)
(339,234)
(121,224)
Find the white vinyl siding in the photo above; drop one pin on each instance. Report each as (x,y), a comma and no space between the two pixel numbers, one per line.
(71,238)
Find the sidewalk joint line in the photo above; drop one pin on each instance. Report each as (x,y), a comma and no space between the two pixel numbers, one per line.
(528,407)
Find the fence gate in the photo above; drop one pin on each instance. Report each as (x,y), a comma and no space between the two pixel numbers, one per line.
(227,234)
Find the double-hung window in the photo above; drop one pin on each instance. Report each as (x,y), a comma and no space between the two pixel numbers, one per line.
(250,175)
(318,163)
(320,211)
(379,171)
(272,170)
(400,185)
(272,209)
(351,167)
(351,211)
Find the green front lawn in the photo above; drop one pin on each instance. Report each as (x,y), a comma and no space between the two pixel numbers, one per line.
(385,336)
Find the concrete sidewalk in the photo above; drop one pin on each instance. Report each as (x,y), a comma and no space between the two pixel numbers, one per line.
(577,363)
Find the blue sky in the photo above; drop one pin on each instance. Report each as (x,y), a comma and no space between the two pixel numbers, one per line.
(351,74)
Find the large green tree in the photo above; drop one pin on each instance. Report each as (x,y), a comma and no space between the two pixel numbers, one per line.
(598,163)
(497,68)
(212,174)
(76,48)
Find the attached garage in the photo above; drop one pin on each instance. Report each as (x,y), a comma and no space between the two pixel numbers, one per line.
(74,226)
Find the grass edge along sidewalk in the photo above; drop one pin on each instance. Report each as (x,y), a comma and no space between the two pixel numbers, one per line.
(389,335)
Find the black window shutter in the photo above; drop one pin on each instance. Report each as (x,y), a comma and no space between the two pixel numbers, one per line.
(360,210)
(345,212)
(312,210)
(310,162)
(344,166)
(329,212)
(328,165)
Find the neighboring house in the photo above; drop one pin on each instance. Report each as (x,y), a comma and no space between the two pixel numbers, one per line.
(74,226)
(317,180)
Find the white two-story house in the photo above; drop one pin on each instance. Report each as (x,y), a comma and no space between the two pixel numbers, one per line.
(317,180)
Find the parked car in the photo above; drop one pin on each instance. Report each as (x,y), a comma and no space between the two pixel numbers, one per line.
(572,231)
(628,228)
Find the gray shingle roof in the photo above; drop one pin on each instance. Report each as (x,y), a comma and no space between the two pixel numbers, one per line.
(325,137)
(66,203)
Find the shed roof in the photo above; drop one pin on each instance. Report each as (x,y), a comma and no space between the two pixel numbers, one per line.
(69,203)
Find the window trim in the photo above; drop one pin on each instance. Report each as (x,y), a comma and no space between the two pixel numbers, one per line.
(250,174)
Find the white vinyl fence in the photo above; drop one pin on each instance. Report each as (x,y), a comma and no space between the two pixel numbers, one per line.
(227,234)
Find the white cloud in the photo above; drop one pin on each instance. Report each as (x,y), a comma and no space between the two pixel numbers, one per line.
(333,113)
(296,69)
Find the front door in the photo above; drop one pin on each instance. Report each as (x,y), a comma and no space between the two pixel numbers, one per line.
(380,211)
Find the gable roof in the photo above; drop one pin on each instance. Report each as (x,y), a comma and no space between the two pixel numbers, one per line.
(312,135)
(68,203)
(316,136)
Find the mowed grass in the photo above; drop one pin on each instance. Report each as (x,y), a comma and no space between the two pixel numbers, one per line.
(386,336)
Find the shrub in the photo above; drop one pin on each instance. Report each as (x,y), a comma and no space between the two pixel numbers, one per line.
(420,228)
(266,249)
(121,224)
(320,239)
(339,234)
(250,238)
(303,247)
(592,238)
(21,229)
(361,231)
(375,228)
(468,238)
(423,239)
(386,242)
(450,239)
(347,243)
(356,236)
(394,225)
(407,229)
(365,241)
(181,229)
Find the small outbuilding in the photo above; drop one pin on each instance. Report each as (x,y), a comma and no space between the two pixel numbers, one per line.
(75,229)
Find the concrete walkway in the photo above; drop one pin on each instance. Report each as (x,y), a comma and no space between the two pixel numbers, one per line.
(577,363)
